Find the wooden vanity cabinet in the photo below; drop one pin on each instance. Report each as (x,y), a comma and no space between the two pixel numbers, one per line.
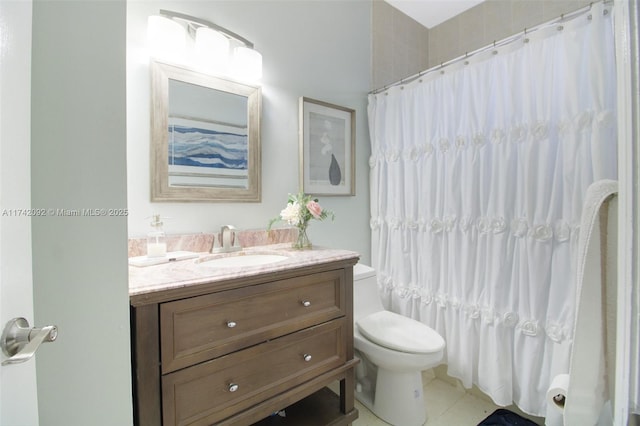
(233,352)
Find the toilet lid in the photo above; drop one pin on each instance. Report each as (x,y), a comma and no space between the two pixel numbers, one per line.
(400,333)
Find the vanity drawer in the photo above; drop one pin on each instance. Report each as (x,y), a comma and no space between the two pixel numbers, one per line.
(202,394)
(205,327)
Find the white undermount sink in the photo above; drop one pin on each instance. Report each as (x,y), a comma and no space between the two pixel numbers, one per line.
(240,260)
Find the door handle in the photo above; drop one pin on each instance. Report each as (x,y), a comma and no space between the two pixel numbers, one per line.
(19,342)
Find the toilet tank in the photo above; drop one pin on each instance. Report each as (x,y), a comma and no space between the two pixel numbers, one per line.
(366,296)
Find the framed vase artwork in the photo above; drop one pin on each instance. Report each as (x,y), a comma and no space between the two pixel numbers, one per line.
(327,148)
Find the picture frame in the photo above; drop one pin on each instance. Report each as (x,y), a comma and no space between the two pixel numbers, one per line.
(327,148)
(204,137)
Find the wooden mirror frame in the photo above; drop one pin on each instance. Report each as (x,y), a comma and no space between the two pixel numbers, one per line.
(161,73)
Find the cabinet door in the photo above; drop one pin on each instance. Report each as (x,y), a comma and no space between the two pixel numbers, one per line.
(205,327)
(209,392)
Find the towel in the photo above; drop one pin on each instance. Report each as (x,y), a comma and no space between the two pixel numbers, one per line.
(587,391)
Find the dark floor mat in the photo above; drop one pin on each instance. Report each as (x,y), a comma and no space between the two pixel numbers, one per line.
(502,417)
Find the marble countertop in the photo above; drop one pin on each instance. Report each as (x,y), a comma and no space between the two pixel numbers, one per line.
(189,272)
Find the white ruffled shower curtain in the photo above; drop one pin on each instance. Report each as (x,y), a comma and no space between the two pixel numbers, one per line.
(477,182)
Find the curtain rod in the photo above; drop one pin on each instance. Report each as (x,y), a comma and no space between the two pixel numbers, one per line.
(505,41)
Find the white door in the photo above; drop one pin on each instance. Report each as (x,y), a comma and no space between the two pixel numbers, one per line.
(18,395)
(63,146)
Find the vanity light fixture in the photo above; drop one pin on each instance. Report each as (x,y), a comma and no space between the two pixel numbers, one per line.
(211,48)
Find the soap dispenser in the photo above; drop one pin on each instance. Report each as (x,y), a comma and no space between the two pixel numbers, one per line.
(156,242)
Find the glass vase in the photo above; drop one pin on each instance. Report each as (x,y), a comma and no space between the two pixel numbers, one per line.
(302,241)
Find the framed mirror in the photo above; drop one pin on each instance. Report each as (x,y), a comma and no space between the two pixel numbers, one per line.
(205,137)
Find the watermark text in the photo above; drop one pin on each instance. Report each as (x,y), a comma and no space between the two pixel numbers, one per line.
(57,212)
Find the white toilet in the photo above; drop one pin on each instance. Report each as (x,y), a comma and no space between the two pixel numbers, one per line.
(394,350)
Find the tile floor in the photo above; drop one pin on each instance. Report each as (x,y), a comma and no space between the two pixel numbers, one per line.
(447,405)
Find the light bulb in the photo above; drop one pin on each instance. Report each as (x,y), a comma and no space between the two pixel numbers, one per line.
(212,50)
(247,64)
(167,38)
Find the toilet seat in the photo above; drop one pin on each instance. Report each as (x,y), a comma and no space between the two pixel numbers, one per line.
(400,333)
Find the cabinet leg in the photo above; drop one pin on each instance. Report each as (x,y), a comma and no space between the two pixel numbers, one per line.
(347,391)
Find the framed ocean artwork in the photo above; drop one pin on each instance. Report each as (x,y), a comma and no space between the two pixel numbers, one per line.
(205,137)
(207,154)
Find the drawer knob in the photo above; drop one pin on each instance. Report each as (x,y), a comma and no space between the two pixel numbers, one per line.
(231,324)
(306,357)
(233,387)
(306,303)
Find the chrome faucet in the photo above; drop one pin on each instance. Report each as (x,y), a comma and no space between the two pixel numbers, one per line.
(228,240)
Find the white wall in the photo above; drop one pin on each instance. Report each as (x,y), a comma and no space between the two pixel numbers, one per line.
(319,50)
(78,162)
